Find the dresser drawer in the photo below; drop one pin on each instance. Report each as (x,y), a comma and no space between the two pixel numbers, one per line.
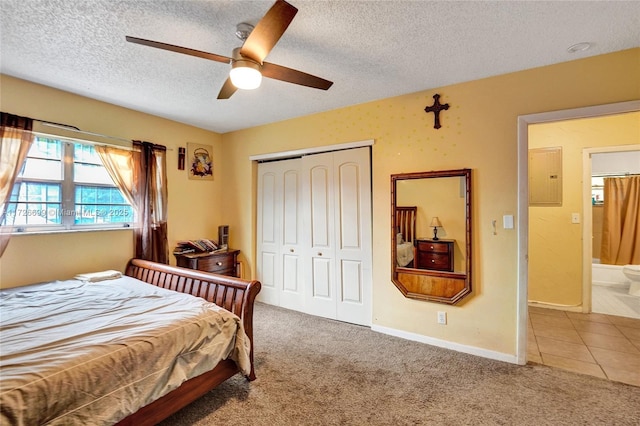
(223,263)
(433,261)
(216,263)
(433,247)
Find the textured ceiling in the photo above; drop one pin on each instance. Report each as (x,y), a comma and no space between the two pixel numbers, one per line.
(369,49)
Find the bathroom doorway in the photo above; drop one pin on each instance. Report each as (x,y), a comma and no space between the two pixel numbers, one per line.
(606,291)
(524,123)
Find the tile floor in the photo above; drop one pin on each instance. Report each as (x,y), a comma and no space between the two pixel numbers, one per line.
(601,345)
(614,300)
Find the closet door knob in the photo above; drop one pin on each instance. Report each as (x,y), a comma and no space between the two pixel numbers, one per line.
(291,250)
(319,254)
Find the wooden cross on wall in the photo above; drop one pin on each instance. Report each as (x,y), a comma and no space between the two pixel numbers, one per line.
(435,109)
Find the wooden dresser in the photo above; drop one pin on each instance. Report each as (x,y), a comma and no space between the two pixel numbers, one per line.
(434,254)
(223,263)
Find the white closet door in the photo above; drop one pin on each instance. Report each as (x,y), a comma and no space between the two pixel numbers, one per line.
(268,233)
(337,191)
(279,234)
(292,296)
(318,202)
(353,235)
(314,234)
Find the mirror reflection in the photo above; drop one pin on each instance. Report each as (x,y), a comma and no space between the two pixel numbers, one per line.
(431,234)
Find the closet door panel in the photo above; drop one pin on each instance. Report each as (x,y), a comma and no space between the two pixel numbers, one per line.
(292,295)
(290,281)
(322,281)
(353,252)
(351,277)
(268,264)
(349,207)
(318,191)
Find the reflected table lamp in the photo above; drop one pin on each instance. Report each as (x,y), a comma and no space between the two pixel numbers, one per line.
(435,223)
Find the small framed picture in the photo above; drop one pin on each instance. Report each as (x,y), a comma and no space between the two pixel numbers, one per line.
(200,161)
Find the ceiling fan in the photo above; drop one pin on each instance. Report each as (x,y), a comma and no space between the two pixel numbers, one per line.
(247,62)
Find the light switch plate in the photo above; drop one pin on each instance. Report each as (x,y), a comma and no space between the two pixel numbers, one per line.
(507,221)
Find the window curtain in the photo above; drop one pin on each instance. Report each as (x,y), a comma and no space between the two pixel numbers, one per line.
(621,221)
(119,165)
(15,140)
(150,193)
(141,175)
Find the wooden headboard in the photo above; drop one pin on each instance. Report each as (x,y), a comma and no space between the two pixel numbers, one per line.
(406,222)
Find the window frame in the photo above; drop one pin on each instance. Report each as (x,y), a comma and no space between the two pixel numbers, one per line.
(68,202)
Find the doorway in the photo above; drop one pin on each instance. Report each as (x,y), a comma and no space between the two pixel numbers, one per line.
(523,206)
(605,290)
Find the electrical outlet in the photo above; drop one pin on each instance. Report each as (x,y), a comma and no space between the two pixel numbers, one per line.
(442,317)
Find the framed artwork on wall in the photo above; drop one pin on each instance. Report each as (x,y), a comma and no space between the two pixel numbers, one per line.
(200,161)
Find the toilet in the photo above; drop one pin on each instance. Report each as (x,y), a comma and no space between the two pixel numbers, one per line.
(632,272)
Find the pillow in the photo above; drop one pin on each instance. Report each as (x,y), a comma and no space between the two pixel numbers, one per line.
(94,277)
(399,238)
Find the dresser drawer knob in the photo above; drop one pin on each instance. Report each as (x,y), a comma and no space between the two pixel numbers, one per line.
(219,263)
(431,247)
(291,250)
(433,261)
(320,254)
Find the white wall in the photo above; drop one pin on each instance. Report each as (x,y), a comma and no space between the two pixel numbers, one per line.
(615,162)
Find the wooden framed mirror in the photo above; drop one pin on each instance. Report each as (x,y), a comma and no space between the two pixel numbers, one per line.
(431,234)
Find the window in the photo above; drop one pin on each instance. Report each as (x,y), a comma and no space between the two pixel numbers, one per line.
(597,190)
(63,185)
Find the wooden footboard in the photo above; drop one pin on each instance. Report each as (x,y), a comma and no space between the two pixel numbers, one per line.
(234,294)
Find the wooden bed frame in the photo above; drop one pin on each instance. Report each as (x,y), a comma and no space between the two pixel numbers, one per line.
(234,294)
(406,222)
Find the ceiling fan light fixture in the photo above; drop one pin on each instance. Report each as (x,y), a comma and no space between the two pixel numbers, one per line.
(245,74)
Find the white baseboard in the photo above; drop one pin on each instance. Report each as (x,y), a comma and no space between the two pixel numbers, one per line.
(555,306)
(472,350)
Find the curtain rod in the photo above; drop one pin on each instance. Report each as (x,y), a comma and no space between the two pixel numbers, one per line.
(84,132)
(615,174)
(75,129)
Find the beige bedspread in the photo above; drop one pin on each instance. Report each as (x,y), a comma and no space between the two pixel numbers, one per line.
(404,253)
(77,353)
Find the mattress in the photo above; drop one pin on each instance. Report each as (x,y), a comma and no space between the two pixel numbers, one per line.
(82,353)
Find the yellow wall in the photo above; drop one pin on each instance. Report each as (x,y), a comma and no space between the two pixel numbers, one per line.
(193,205)
(555,244)
(479,132)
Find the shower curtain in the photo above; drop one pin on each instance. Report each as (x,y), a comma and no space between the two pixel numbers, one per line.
(621,223)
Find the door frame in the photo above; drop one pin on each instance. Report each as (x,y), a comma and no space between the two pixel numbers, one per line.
(523,197)
(282,155)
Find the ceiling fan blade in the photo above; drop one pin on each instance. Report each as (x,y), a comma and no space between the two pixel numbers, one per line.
(278,72)
(268,31)
(227,90)
(179,49)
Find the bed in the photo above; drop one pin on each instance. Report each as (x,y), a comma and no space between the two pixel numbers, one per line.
(406,233)
(130,350)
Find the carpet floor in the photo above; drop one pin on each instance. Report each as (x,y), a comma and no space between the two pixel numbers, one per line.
(315,371)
